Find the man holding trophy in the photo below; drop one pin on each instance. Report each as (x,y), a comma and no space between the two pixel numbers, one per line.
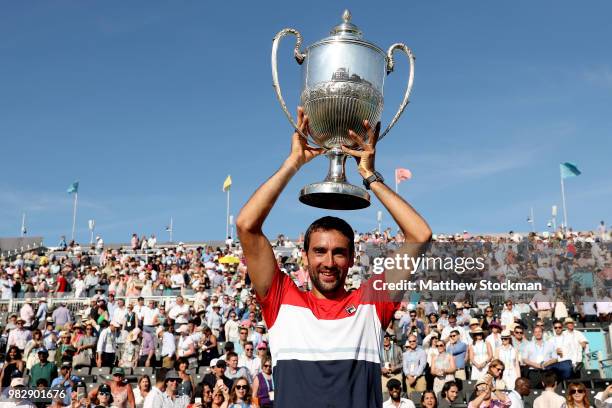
(326,344)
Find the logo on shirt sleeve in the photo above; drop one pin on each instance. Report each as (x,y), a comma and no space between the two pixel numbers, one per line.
(350,309)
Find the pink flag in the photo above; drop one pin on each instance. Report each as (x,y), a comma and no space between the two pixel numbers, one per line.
(402,174)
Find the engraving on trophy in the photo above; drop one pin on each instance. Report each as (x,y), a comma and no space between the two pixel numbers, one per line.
(341,104)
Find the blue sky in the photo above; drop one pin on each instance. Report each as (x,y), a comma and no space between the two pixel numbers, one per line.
(151,104)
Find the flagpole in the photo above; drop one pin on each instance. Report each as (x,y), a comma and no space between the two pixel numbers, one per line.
(564,209)
(74,210)
(227,214)
(23,228)
(532,221)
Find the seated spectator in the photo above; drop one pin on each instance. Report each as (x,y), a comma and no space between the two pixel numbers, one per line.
(394,387)
(448,395)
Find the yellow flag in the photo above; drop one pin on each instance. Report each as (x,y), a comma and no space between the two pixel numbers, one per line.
(227,183)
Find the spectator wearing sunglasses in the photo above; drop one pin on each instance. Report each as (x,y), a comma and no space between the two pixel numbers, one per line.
(577,396)
(240,396)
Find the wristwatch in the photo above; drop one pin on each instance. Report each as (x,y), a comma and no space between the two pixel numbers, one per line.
(376,176)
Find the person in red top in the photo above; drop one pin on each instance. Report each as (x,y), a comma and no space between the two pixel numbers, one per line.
(326,343)
(62,283)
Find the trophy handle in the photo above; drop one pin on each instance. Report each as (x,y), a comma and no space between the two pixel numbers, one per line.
(299,57)
(390,66)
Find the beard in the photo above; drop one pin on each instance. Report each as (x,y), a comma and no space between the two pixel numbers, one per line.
(329,284)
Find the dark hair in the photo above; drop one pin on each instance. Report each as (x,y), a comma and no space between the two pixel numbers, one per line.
(429,392)
(331,223)
(549,379)
(17,352)
(228,346)
(231,354)
(447,386)
(181,360)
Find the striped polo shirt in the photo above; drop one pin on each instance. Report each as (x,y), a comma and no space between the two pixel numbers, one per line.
(326,353)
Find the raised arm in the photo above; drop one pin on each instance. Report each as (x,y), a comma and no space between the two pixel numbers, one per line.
(261,263)
(416,231)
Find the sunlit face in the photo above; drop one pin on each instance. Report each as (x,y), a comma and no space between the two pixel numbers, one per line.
(233,362)
(207,394)
(452,392)
(429,400)
(241,388)
(328,260)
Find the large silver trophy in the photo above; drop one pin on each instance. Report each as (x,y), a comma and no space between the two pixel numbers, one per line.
(342,84)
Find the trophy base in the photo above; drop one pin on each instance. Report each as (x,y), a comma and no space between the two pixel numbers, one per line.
(335,196)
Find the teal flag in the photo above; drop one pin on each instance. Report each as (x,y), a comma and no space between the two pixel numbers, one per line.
(74,188)
(569,170)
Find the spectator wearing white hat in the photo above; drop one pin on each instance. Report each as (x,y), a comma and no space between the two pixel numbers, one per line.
(509,356)
(19,336)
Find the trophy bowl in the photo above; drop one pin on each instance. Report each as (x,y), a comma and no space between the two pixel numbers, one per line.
(342,85)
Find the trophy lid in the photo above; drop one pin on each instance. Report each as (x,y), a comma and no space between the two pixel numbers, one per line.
(346,28)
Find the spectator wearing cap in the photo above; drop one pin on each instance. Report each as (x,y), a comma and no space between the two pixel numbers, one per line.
(61,315)
(66,380)
(102,396)
(486,396)
(106,349)
(394,388)
(392,362)
(458,349)
(43,369)
(414,361)
(259,334)
(19,336)
(121,390)
(171,396)
(218,368)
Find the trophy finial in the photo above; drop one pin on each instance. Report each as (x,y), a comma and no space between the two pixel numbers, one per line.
(346,16)
(346,28)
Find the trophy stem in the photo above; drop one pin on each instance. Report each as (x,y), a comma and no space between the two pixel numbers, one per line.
(335,192)
(337,160)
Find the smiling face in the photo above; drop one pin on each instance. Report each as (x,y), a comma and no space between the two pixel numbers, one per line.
(327,261)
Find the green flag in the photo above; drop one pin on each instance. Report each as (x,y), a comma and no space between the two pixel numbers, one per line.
(569,170)
(74,188)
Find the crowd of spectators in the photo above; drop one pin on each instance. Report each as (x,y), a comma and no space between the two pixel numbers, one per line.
(156,326)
